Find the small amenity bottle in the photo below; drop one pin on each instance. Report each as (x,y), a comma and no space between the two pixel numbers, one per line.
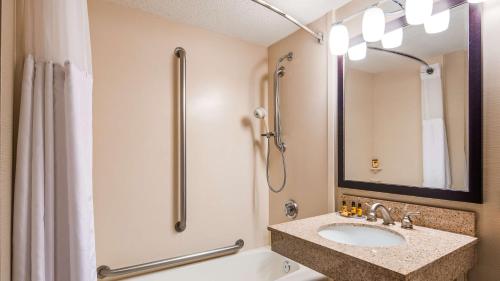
(360,210)
(343,211)
(354,210)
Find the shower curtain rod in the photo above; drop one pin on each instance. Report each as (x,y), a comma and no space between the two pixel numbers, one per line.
(430,70)
(317,35)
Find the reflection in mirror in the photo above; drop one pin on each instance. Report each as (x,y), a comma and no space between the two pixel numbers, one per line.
(406,110)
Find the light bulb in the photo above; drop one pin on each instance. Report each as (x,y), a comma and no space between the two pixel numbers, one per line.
(357,52)
(476,1)
(393,39)
(373,24)
(418,11)
(438,22)
(338,39)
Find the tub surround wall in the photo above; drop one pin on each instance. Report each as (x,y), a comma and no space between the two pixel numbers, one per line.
(488,225)
(135,90)
(304,118)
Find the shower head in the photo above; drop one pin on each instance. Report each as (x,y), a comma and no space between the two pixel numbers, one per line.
(260,113)
(280,70)
(288,57)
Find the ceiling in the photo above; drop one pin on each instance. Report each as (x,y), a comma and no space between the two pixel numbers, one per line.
(242,19)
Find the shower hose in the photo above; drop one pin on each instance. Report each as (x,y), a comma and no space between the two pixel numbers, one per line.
(282,151)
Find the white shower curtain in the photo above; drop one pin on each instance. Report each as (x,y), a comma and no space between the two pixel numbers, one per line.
(53,226)
(436,160)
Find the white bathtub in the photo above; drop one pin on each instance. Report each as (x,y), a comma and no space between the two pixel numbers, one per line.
(254,265)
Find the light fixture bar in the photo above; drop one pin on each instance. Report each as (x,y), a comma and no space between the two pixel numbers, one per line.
(449,3)
(317,35)
(356,14)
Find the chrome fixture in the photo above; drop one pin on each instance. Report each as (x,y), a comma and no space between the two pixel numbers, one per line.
(407,222)
(180,226)
(291,209)
(261,113)
(104,271)
(286,266)
(317,35)
(429,69)
(279,73)
(386,215)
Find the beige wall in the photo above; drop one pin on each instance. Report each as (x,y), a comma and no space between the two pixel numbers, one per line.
(456,110)
(488,267)
(397,134)
(6,131)
(304,112)
(359,115)
(134,130)
(389,103)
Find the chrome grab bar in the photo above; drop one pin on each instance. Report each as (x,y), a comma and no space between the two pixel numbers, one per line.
(104,271)
(180,226)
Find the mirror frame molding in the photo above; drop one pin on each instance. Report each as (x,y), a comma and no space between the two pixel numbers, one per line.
(475,115)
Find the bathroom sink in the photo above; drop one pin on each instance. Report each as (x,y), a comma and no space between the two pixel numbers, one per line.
(361,235)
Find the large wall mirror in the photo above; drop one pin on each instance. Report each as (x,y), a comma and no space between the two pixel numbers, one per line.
(410,116)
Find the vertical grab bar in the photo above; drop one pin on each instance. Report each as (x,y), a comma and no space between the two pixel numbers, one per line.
(180,226)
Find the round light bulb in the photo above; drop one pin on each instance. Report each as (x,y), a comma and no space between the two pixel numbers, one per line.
(357,52)
(338,40)
(438,22)
(393,39)
(373,24)
(418,11)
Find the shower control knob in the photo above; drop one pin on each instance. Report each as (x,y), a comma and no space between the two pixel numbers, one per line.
(291,209)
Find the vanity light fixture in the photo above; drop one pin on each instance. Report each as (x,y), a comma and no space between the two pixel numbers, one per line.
(393,39)
(338,39)
(418,11)
(357,52)
(438,22)
(373,24)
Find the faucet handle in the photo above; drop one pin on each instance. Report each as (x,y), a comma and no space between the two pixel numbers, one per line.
(407,222)
(372,214)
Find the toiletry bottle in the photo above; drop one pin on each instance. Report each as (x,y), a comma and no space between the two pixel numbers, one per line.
(354,210)
(360,210)
(343,210)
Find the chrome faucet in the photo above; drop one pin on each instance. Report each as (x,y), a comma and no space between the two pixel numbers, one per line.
(407,222)
(386,215)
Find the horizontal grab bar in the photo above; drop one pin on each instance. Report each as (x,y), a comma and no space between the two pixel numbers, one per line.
(104,271)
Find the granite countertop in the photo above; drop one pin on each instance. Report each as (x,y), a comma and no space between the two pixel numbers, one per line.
(423,245)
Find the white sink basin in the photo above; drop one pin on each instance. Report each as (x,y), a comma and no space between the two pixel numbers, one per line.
(361,235)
